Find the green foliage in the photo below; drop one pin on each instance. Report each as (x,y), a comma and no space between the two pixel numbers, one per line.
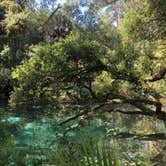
(79,55)
(142,29)
(91,154)
(73,61)
(19,30)
(93,64)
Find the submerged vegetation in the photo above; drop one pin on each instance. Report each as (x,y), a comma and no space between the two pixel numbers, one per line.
(80,63)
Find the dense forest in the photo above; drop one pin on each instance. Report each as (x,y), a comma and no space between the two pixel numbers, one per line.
(83,59)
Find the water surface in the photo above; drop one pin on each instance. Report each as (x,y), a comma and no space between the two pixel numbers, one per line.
(34,136)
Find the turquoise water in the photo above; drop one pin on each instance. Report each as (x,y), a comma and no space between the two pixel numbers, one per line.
(34,137)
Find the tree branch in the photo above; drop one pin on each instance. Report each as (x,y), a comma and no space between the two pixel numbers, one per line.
(89,88)
(157,104)
(134,112)
(81,114)
(157,136)
(158,76)
(52,14)
(135,102)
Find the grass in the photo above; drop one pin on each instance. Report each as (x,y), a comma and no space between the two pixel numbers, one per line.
(88,153)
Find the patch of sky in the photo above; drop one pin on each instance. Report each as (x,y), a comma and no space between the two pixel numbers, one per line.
(61,1)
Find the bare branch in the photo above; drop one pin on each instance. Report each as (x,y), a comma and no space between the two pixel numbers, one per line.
(52,14)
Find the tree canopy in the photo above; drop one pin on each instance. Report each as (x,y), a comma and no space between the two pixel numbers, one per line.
(105,53)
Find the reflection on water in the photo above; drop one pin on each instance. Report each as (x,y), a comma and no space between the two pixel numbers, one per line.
(23,136)
(11,119)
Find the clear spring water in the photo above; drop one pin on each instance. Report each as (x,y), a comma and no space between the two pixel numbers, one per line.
(39,135)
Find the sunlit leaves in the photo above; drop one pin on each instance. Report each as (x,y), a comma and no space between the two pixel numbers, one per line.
(73,60)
